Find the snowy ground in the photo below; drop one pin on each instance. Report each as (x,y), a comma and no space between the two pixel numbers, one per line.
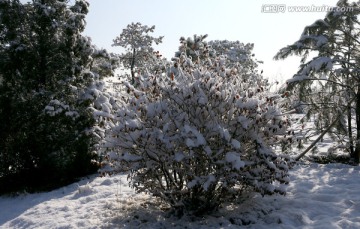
(319,196)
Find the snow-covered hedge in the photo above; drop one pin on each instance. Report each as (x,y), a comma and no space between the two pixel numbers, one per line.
(200,135)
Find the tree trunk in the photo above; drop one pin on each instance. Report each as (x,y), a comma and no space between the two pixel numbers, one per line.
(350,135)
(132,68)
(318,138)
(355,157)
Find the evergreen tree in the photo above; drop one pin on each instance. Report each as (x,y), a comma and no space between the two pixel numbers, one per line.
(48,72)
(201,135)
(137,41)
(195,48)
(329,83)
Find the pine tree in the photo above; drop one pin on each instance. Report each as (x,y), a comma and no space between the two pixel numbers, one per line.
(329,83)
(48,70)
(140,54)
(200,135)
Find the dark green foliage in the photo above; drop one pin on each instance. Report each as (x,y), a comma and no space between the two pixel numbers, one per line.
(344,159)
(45,69)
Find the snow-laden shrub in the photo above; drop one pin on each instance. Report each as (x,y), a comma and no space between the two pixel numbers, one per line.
(200,135)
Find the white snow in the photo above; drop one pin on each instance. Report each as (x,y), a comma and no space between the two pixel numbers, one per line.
(211,179)
(179,156)
(197,138)
(234,159)
(317,63)
(224,133)
(236,144)
(249,104)
(133,123)
(319,196)
(297,78)
(49,108)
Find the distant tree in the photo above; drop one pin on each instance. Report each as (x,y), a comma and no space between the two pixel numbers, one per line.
(236,55)
(48,74)
(329,83)
(202,135)
(195,48)
(138,42)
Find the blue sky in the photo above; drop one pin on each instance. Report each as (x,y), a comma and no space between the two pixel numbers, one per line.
(226,19)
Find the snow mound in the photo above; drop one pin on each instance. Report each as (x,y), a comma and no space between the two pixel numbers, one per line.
(319,196)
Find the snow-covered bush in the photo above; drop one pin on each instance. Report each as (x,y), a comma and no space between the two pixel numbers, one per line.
(200,135)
